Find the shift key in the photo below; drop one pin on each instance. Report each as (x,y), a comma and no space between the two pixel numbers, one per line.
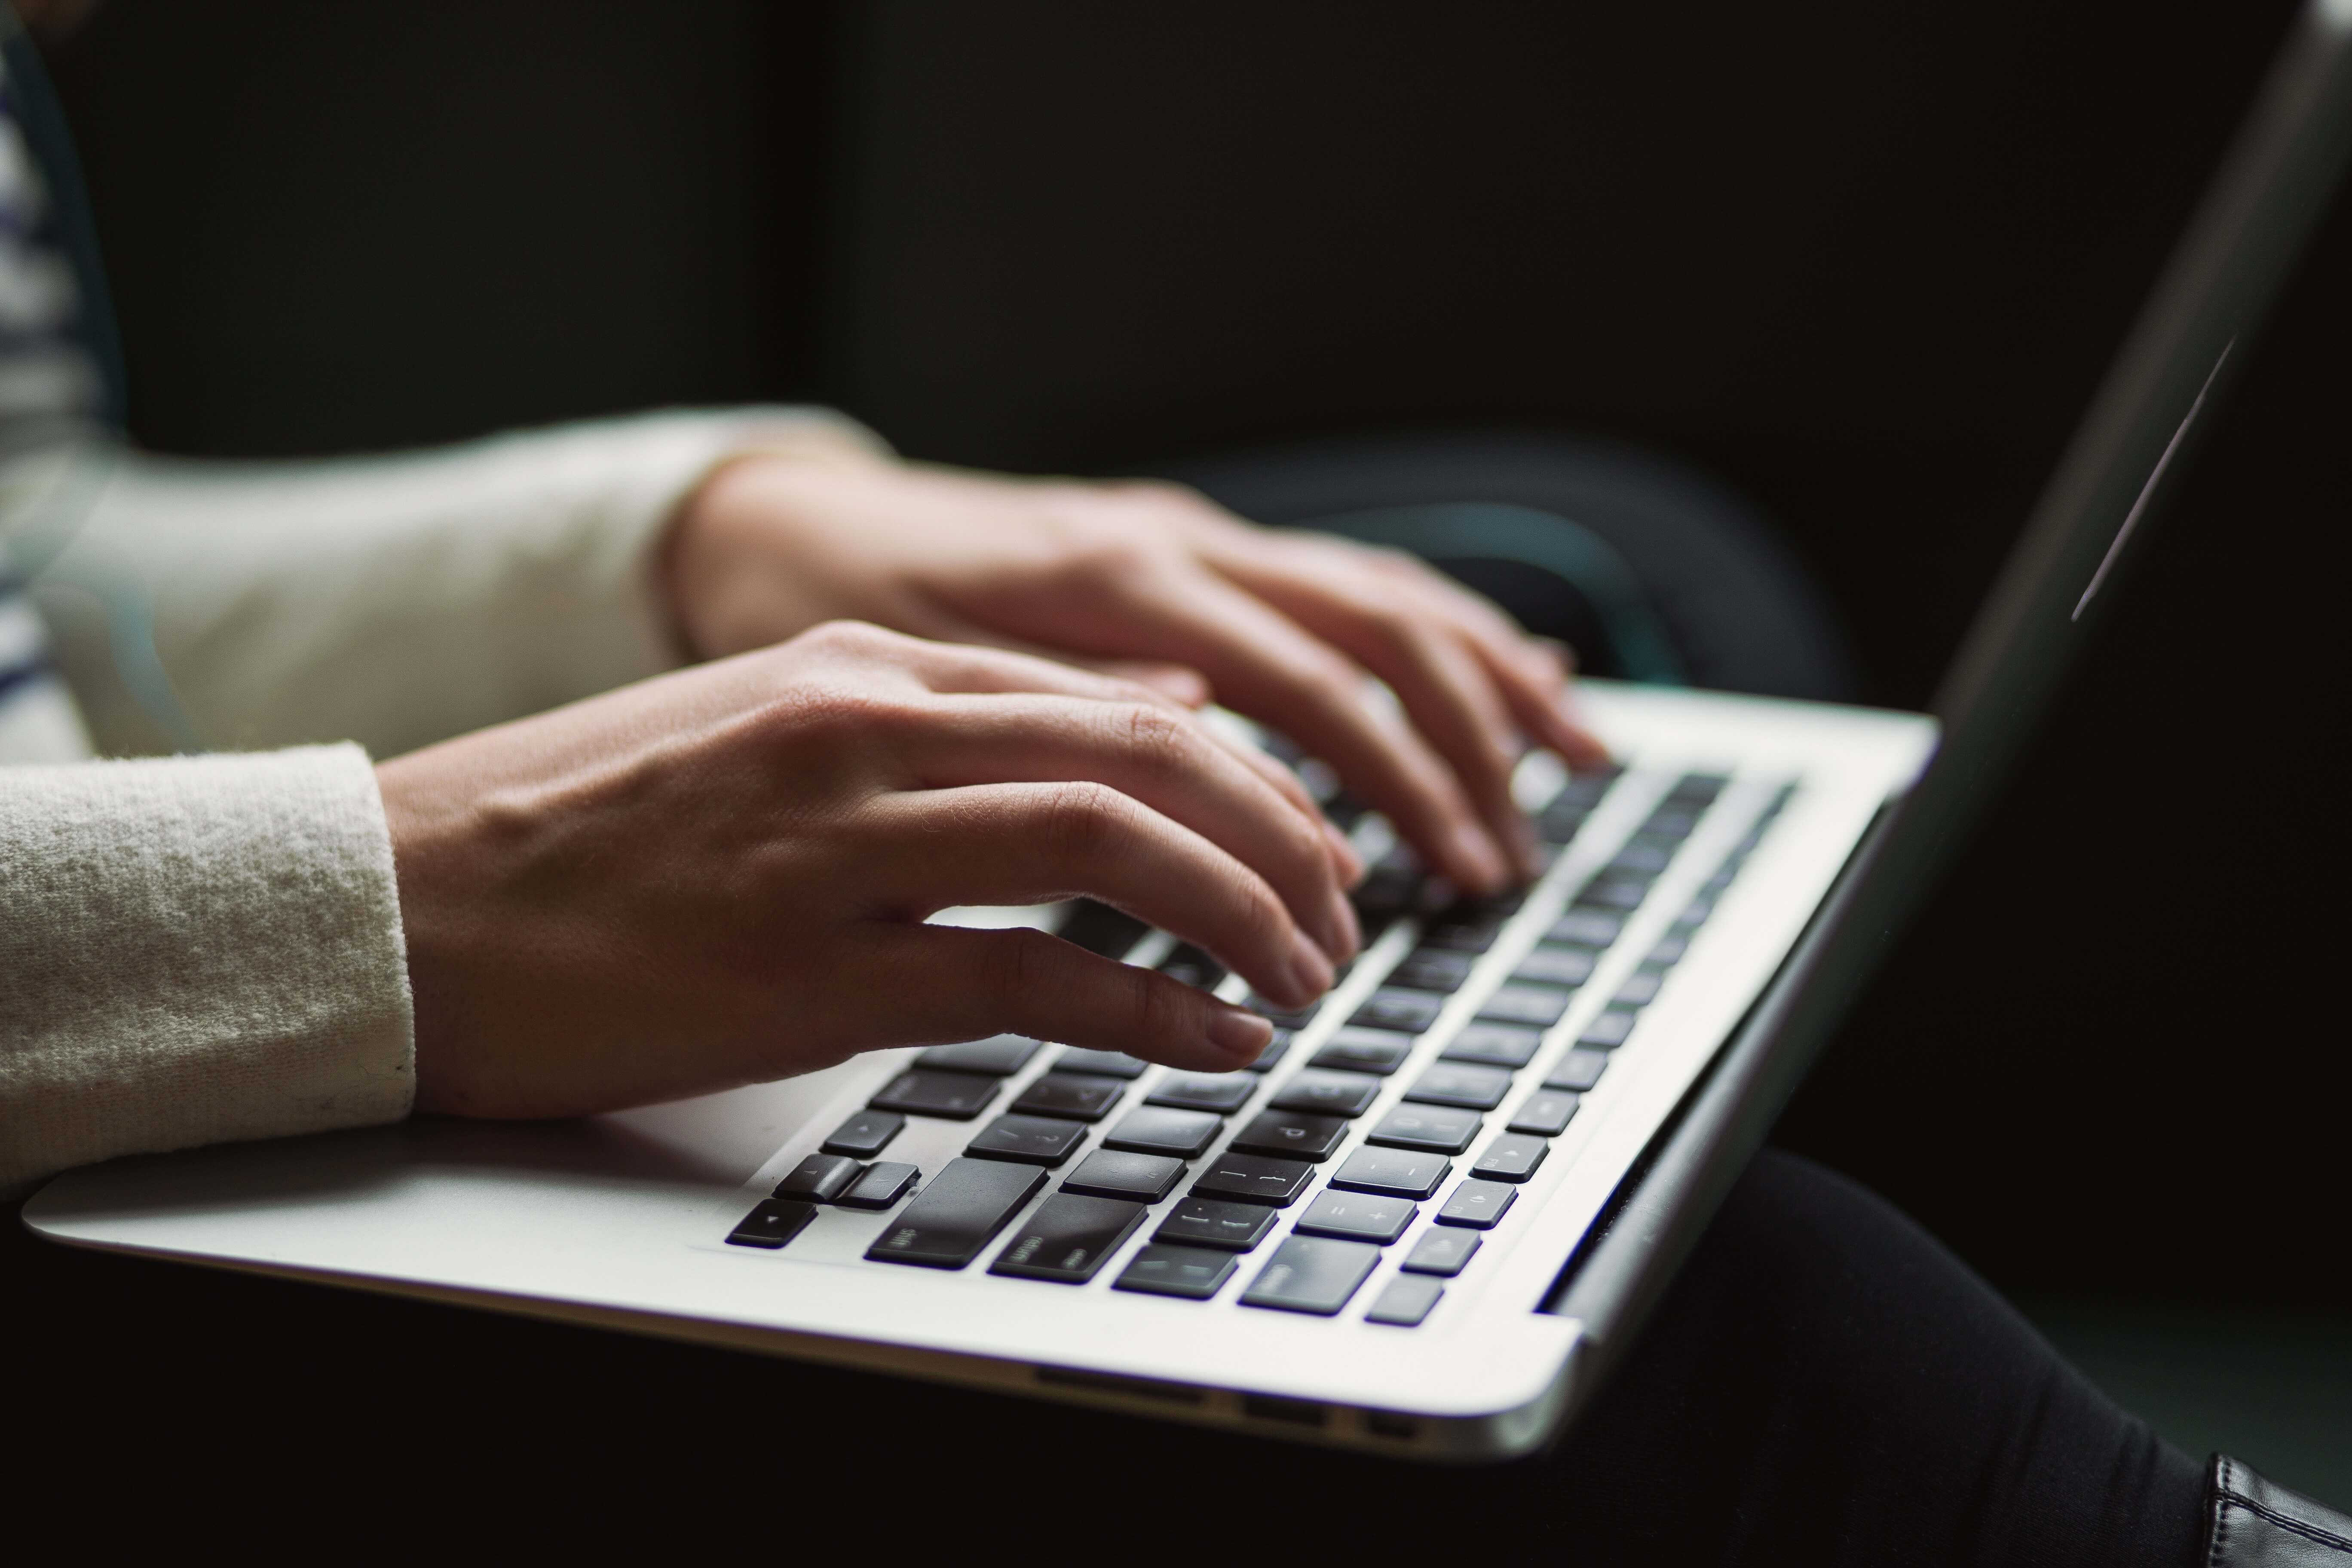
(959,1213)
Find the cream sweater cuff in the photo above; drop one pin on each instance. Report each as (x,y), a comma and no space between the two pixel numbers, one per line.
(196,949)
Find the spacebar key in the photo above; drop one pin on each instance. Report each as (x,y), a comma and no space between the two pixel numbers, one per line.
(959,1213)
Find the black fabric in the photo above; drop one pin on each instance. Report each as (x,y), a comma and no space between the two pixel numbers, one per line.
(1743,613)
(1822,1385)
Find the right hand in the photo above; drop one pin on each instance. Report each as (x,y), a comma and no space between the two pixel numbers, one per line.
(721,876)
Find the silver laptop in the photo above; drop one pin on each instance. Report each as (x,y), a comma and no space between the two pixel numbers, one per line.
(1425,1222)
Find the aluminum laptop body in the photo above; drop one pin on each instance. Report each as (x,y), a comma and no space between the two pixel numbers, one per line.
(1426,1225)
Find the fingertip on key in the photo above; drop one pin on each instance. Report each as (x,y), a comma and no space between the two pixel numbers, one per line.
(1311,969)
(1483,867)
(1343,854)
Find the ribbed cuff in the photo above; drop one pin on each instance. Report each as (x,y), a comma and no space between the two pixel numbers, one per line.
(194,950)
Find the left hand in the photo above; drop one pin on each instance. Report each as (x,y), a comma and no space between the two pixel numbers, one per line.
(1153,582)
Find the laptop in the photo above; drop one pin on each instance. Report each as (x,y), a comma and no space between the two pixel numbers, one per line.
(1428,1219)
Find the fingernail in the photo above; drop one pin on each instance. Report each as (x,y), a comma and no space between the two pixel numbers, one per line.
(1483,861)
(1309,967)
(1349,935)
(1351,865)
(1239,1034)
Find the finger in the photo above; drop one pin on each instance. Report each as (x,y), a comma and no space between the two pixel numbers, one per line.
(958,667)
(1447,691)
(1531,673)
(935,984)
(1034,843)
(1170,763)
(1266,665)
(1175,681)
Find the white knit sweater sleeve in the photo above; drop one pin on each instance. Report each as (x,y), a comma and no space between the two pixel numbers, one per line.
(196,949)
(393,601)
(202,948)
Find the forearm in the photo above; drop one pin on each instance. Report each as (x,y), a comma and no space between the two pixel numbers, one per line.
(397,601)
(194,950)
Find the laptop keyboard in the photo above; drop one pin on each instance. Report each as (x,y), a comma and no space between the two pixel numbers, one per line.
(1282,1172)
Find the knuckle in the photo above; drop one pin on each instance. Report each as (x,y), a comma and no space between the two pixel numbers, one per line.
(1155,737)
(1013,966)
(1159,1007)
(1083,818)
(1102,558)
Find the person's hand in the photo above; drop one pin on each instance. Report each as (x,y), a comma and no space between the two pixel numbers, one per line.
(719,876)
(1154,581)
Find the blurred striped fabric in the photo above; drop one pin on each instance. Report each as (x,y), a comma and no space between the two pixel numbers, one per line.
(48,385)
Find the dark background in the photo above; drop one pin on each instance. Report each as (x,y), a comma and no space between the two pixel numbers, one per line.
(1862,261)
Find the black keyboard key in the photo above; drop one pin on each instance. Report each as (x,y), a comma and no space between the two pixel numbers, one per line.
(1363,1050)
(1434,1129)
(1608,1029)
(1558,822)
(957,1096)
(1668,952)
(1461,1083)
(1194,1273)
(1478,1205)
(1551,965)
(1586,788)
(1586,928)
(1101,1064)
(1538,1006)
(1067,1239)
(1292,1135)
(1577,1070)
(1280,1016)
(1611,892)
(1028,1140)
(1311,1274)
(1075,1097)
(1434,969)
(1693,915)
(1193,967)
(1641,989)
(1464,933)
(1393,1007)
(866,1134)
(1668,823)
(1495,1045)
(1214,1092)
(1273,1052)
(1099,928)
(1697,790)
(1393,1173)
(1405,1301)
(1207,1222)
(1327,1093)
(1158,1130)
(1510,1158)
(1254,1179)
(1441,1251)
(1356,1216)
(775,1222)
(1644,855)
(1546,1113)
(998,1056)
(819,1179)
(879,1185)
(1137,1178)
(958,1213)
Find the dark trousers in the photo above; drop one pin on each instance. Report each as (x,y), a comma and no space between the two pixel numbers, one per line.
(1824,1383)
